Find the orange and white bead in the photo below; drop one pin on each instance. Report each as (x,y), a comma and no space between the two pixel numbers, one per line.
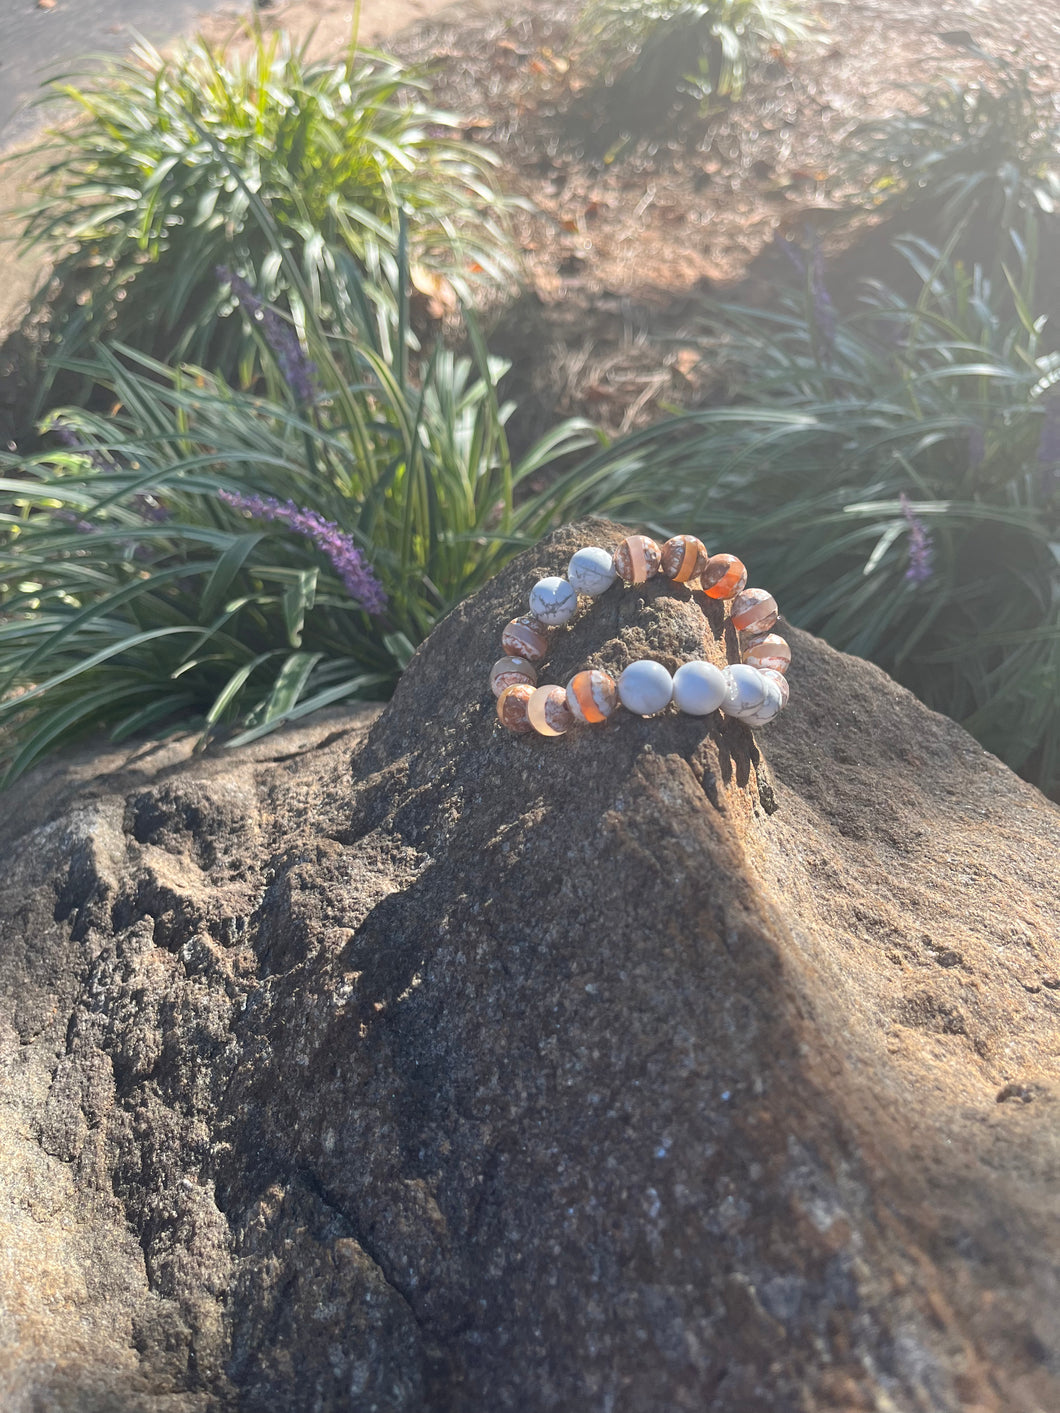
(637,559)
(592,696)
(683,558)
(724,577)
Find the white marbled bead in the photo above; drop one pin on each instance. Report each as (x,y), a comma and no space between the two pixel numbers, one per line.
(746,690)
(645,687)
(699,688)
(553,601)
(771,675)
(590,571)
(771,707)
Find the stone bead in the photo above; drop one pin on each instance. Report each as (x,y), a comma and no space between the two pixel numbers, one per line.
(754,611)
(746,690)
(591,571)
(525,637)
(511,708)
(548,712)
(768,650)
(637,559)
(724,577)
(781,682)
(509,671)
(553,601)
(699,688)
(771,707)
(683,558)
(592,696)
(645,687)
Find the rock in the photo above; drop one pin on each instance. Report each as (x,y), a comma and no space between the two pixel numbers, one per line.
(424,1067)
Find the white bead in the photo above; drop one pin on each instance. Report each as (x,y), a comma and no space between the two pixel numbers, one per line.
(645,687)
(746,690)
(770,708)
(699,688)
(590,571)
(553,601)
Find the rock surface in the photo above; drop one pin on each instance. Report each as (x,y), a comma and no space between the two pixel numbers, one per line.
(414,1066)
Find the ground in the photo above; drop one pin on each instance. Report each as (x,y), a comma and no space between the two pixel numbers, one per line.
(620,252)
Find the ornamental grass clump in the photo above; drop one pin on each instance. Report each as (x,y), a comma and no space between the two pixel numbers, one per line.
(208,557)
(146,192)
(980,155)
(657,59)
(892,473)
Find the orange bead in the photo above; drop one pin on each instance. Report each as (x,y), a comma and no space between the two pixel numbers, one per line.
(512,706)
(754,611)
(683,558)
(592,695)
(724,577)
(525,637)
(637,559)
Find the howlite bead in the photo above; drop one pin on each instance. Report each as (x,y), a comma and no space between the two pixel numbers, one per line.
(683,558)
(746,690)
(768,650)
(509,671)
(637,559)
(699,688)
(771,707)
(511,708)
(723,577)
(592,696)
(590,571)
(553,601)
(645,687)
(525,637)
(548,712)
(781,682)
(754,611)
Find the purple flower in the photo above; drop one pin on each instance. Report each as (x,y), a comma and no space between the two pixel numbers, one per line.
(295,367)
(824,311)
(67,437)
(919,568)
(350,565)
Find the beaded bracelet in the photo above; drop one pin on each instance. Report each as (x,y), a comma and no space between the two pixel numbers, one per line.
(753,690)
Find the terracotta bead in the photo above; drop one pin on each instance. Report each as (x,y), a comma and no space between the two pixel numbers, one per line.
(768,650)
(754,611)
(548,712)
(637,559)
(509,672)
(683,558)
(771,675)
(511,708)
(592,696)
(525,637)
(724,577)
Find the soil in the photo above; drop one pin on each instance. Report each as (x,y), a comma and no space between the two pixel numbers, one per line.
(622,250)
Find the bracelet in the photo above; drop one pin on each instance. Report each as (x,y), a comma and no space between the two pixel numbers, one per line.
(754,690)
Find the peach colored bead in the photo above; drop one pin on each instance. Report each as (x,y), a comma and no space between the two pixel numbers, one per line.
(525,637)
(768,650)
(637,559)
(509,671)
(683,558)
(724,577)
(511,708)
(771,675)
(548,712)
(592,696)
(754,611)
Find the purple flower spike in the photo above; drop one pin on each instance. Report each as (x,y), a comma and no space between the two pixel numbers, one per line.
(296,369)
(921,552)
(349,563)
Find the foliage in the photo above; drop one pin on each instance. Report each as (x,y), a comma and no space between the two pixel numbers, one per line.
(194,556)
(982,153)
(656,55)
(894,476)
(147,192)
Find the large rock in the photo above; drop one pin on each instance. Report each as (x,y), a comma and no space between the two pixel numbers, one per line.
(447,1070)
